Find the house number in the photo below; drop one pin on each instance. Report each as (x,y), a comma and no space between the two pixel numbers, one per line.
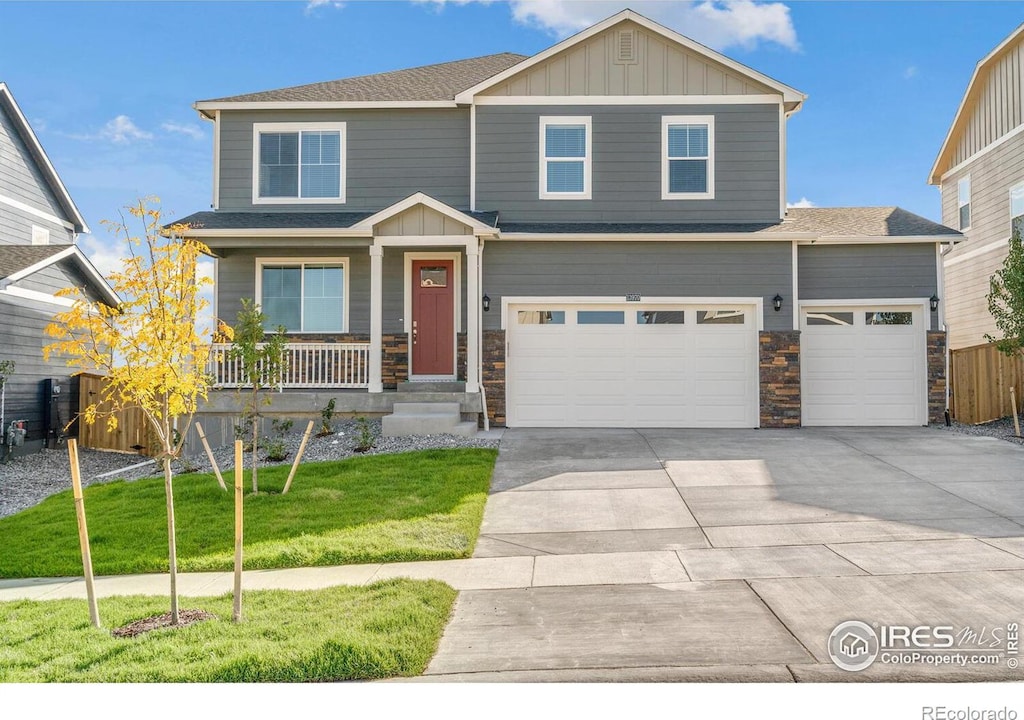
(632,297)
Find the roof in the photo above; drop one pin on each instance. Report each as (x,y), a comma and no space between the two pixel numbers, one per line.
(216,220)
(974,87)
(439,82)
(17,262)
(42,160)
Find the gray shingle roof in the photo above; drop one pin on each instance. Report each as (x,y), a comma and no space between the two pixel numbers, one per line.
(212,220)
(15,258)
(429,82)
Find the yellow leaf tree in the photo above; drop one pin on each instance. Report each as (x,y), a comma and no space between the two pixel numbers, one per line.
(149,347)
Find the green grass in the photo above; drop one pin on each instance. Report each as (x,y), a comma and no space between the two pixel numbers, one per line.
(381,508)
(387,629)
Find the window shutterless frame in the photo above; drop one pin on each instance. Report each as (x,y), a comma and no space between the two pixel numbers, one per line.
(963,202)
(298,129)
(553,157)
(693,155)
(301,264)
(1017,208)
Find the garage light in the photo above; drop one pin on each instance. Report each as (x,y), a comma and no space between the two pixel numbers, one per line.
(777,302)
(486,300)
(933,301)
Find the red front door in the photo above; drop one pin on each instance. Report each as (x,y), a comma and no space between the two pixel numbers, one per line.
(433,317)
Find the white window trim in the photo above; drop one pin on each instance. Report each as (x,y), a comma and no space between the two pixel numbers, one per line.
(584,120)
(299,127)
(960,204)
(667,120)
(1019,187)
(301,262)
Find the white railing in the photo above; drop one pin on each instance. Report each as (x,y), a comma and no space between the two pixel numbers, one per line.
(307,365)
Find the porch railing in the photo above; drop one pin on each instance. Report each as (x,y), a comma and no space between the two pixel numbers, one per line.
(307,365)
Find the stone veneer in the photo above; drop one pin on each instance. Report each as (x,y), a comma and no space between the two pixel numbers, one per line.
(780,378)
(494,375)
(936,376)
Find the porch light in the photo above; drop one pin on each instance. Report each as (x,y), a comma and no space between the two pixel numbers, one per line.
(933,302)
(486,299)
(777,302)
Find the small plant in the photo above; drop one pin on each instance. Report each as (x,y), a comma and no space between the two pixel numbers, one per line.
(325,419)
(188,465)
(364,437)
(275,447)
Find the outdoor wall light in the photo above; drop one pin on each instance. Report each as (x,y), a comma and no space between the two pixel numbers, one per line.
(933,302)
(777,302)
(486,300)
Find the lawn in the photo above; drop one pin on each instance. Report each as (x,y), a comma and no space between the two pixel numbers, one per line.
(386,629)
(381,508)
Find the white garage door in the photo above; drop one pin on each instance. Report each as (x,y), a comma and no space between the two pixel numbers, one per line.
(863,365)
(631,365)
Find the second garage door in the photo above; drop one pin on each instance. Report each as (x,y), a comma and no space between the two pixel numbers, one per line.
(632,366)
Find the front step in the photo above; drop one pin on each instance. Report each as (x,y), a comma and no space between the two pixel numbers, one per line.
(445,386)
(426,418)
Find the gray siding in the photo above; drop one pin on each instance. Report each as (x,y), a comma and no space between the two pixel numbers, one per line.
(666,269)
(626,178)
(50,280)
(863,272)
(237,279)
(391,154)
(16,227)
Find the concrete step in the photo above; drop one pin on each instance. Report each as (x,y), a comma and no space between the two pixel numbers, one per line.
(432,386)
(426,408)
(464,429)
(427,418)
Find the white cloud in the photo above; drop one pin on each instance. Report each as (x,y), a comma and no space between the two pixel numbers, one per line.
(313,5)
(193,131)
(802,203)
(716,23)
(910,72)
(122,130)
(105,253)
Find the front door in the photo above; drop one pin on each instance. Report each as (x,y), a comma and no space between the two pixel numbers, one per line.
(433,318)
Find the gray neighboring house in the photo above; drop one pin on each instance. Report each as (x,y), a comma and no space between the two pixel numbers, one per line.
(596,235)
(38,256)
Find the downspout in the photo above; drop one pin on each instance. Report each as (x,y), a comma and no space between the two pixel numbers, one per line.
(942,316)
(480,337)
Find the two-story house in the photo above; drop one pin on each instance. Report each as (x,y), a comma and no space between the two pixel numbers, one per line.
(980,173)
(38,256)
(596,235)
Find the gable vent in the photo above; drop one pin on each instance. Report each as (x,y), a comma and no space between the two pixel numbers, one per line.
(626,46)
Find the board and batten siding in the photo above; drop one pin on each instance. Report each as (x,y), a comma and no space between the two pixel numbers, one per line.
(237,279)
(866,272)
(390,154)
(967,280)
(997,107)
(652,269)
(626,165)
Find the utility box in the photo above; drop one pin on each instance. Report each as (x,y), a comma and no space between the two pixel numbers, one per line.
(53,423)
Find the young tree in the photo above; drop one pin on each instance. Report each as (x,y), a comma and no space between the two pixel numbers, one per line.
(149,347)
(262,358)
(1006,299)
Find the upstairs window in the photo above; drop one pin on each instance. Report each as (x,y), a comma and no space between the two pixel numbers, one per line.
(688,157)
(1017,209)
(963,202)
(298,163)
(565,158)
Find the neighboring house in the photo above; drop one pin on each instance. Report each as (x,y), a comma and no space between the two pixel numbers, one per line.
(980,172)
(596,235)
(38,257)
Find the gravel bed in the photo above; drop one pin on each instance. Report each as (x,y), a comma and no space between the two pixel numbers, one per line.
(27,480)
(1002,429)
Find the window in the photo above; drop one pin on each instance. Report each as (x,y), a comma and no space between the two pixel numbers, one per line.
(963,202)
(565,158)
(659,317)
(600,317)
(298,162)
(721,317)
(303,296)
(885,317)
(541,317)
(1017,209)
(688,157)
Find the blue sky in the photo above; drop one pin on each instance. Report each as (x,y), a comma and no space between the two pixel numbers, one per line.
(108,86)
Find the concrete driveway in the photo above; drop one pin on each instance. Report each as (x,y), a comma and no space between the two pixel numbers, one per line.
(732,555)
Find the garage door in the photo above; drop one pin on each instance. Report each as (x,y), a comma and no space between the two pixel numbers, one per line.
(631,366)
(863,365)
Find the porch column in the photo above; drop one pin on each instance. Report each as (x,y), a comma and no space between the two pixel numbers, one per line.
(473,316)
(376,317)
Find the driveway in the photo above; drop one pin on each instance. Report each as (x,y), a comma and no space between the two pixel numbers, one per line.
(732,555)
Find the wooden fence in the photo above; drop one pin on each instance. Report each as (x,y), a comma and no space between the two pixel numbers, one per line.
(131,434)
(981,378)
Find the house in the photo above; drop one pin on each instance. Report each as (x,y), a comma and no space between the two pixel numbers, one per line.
(980,173)
(38,256)
(596,235)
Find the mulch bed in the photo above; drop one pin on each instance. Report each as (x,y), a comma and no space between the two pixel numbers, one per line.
(156,622)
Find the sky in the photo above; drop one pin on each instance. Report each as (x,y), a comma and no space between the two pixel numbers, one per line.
(109,86)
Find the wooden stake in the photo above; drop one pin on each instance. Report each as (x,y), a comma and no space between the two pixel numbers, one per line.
(1013,405)
(209,454)
(237,614)
(83,532)
(298,457)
